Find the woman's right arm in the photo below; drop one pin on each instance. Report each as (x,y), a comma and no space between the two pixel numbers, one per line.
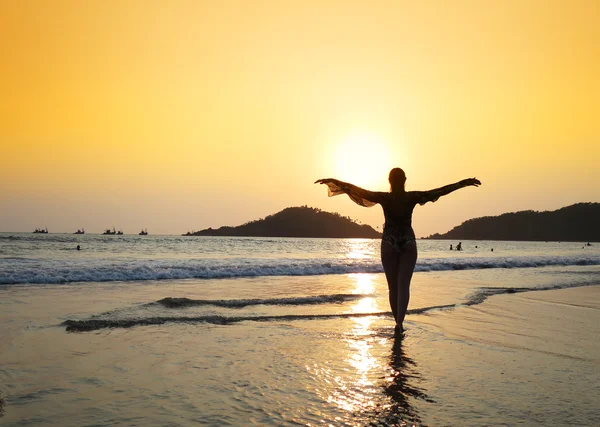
(359,195)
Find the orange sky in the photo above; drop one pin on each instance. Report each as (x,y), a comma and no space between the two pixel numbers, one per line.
(183,115)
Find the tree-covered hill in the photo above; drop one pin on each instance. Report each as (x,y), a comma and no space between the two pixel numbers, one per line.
(575,223)
(296,222)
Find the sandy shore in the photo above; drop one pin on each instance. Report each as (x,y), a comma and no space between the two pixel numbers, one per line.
(525,359)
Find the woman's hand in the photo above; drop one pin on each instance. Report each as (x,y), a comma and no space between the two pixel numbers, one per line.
(324,181)
(471,181)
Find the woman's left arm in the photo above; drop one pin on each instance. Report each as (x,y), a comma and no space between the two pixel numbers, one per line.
(432,195)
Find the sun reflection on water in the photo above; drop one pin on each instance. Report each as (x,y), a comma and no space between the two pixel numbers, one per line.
(360,248)
(363,283)
(357,388)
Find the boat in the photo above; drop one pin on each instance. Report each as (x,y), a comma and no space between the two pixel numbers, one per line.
(144,232)
(110,232)
(82,231)
(120,233)
(41,231)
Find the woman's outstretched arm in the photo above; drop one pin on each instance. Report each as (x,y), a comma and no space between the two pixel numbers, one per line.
(432,195)
(359,195)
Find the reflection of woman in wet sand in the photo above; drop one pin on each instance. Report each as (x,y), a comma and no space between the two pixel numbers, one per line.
(398,246)
(401,387)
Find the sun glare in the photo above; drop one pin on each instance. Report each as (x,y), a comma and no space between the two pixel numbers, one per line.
(363,159)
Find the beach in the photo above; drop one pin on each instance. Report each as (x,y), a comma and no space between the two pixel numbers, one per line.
(483,346)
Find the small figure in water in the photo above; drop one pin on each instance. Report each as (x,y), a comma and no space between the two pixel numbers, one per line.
(459,246)
(450,246)
(78,247)
(398,245)
(492,249)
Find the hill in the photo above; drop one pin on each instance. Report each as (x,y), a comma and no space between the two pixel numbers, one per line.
(296,222)
(575,223)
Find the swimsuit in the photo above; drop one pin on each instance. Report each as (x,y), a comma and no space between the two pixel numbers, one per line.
(397,241)
(398,209)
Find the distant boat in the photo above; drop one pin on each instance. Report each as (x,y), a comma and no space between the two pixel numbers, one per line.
(82,231)
(120,232)
(144,232)
(110,232)
(41,231)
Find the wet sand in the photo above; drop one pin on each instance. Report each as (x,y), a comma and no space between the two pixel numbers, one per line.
(525,359)
(531,358)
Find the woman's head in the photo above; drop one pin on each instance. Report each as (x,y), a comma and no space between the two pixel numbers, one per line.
(397,180)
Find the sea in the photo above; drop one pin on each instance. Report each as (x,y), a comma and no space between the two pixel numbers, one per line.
(233,331)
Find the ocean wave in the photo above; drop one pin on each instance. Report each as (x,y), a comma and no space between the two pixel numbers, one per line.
(11,237)
(170,302)
(14,271)
(44,238)
(95,324)
(106,320)
(17,258)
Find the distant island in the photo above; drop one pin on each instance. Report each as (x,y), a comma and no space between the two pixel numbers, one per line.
(300,221)
(576,223)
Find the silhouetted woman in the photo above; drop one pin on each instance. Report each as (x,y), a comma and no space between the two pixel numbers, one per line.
(398,245)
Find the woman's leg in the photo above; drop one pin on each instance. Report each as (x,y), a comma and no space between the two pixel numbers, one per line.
(390,260)
(406,267)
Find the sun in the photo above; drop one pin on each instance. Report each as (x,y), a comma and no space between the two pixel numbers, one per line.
(363,159)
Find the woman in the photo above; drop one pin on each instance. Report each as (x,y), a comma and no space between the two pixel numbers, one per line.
(398,245)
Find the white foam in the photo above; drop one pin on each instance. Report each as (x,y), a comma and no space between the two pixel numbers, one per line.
(43,271)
